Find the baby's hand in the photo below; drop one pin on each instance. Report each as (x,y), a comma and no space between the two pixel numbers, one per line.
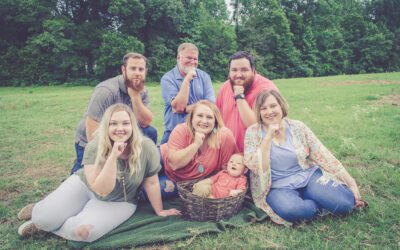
(235,192)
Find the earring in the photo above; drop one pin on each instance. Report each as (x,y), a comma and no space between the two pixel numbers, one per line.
(214,130)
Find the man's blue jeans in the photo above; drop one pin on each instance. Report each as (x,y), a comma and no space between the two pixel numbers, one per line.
(79,156)
(168,187)
(165,137)
(149,131)
(304,203)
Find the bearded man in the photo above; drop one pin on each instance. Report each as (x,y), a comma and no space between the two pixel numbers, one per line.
(183,86)
(237,95)
(127,88)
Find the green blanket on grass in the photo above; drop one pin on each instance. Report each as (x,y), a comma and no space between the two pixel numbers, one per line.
(144,227)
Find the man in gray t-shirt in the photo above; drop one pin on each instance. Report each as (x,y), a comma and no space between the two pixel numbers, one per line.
(127,88)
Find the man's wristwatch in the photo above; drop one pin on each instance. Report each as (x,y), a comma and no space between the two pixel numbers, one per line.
(239,96)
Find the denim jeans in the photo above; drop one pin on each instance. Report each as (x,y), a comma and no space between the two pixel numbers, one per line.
(149,131)
(165,137)
(168,187)
(79,156)
(305,203)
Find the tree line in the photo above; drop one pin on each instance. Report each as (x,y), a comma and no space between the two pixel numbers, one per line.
(44,42)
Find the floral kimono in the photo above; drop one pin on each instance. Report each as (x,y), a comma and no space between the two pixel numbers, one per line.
(309,150)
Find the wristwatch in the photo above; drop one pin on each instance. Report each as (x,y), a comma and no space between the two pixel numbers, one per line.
(239,96)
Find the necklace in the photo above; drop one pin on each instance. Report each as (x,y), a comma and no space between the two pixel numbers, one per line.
(201,169)
(123,185)
(121,177)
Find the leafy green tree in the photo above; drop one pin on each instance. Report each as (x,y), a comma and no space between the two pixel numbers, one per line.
(217,43)
(19,20)
(265,30)
(113,46)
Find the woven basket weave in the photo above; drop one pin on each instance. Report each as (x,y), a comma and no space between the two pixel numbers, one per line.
(206,209)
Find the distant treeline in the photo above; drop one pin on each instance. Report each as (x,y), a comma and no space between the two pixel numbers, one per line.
(82,41)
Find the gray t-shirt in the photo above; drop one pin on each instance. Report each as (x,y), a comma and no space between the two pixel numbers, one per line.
(150,165)
(105,94)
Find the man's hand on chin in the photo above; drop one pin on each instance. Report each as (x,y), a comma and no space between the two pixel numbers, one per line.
(136,85)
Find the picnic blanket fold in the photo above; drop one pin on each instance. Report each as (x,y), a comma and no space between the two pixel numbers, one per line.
(144,227)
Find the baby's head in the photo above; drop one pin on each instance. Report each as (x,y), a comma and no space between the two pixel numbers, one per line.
(236,166)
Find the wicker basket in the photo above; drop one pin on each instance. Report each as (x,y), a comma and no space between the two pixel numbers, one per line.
(206,209)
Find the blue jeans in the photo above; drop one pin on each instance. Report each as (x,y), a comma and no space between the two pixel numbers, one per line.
(165,137)
(79,156)
(168,188)
(149,131)
(304,203)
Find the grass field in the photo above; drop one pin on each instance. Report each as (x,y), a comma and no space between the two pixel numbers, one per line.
(356,116)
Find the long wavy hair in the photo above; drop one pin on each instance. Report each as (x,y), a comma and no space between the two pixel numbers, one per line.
(214,137)
(105,144)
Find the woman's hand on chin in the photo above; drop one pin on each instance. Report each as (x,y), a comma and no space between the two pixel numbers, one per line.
(199,138)
(118,148)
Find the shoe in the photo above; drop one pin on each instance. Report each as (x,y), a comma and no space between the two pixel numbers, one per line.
(28,229)
(26,212)
(363,205)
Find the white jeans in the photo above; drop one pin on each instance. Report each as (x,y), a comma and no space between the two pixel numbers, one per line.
(72,205)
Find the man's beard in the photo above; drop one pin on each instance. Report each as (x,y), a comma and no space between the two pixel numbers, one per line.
(185,69)
(136,86)
(246,85)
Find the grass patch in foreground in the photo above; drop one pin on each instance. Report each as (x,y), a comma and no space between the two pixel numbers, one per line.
(355,116)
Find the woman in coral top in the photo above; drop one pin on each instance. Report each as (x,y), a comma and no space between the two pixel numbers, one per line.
(294,176)
(200,147)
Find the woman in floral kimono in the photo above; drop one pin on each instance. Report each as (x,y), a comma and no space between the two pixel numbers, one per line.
(293,176)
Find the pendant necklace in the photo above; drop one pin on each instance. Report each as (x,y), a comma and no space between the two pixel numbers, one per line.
(123,185)
(201,169)
(123,181)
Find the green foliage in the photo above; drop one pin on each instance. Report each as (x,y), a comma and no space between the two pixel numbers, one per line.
(58,41)
(113,45)
(266,31)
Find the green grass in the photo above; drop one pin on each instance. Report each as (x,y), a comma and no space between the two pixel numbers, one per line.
(352,115)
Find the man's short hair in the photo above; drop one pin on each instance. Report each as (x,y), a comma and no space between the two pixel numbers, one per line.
(240,55)
(187,46)
(133,55)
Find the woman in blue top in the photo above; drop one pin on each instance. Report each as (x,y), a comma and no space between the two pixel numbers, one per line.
(293,175)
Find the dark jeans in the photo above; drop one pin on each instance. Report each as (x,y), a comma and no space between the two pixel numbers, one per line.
(304,203)
(149,131)
(165,137)
(168,187)
(79,156)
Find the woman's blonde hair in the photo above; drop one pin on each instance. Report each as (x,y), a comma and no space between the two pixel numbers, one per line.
(134,143)
(214,138)
(263,96)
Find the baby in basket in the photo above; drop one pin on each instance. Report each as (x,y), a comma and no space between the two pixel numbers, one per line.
(227,182)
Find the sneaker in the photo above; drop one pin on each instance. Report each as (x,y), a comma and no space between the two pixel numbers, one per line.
(26,212)
(28,229)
